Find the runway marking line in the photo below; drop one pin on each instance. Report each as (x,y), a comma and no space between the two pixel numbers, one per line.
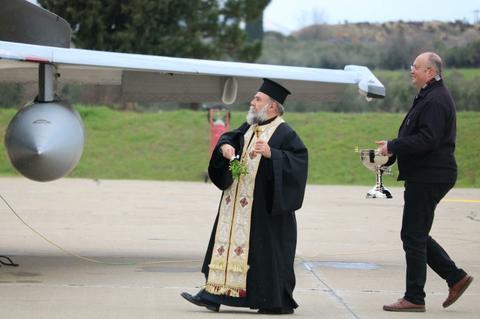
(460,200)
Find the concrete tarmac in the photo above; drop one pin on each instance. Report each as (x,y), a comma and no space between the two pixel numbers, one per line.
(147,240)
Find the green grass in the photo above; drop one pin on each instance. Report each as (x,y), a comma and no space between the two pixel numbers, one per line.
(466,73)
(332,137)
(174,145)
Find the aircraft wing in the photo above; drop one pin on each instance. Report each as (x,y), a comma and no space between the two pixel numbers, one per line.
(157,78)
(45,138)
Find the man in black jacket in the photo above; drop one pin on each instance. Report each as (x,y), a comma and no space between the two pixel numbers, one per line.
(425,152)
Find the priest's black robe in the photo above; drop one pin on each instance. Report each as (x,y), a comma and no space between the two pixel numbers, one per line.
(279,191)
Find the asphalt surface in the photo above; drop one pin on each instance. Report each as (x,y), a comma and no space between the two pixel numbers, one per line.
(145,242)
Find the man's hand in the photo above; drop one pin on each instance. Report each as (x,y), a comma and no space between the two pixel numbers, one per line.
(262,147)
(227,151)
(383,148)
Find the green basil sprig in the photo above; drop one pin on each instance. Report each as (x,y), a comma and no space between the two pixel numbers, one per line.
(237,168)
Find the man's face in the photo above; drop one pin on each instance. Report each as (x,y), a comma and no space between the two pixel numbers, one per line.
(420,71)
(259,108)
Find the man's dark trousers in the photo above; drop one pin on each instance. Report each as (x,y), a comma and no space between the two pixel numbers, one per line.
(421,249)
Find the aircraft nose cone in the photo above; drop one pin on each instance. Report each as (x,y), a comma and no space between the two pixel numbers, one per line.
(45,141)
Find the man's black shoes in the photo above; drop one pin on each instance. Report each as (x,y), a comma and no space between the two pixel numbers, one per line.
(276,311)
(198,301)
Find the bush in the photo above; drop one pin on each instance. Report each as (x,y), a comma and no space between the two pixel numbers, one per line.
(11,95)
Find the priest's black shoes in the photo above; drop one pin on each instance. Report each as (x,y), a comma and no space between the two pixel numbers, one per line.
(198,301)
(276,311)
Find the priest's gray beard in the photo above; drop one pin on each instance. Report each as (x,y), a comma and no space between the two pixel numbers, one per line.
(255,117)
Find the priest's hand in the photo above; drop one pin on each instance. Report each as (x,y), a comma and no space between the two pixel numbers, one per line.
(227,151)
(262,147)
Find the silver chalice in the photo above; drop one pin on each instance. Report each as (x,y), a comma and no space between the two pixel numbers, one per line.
(379,164)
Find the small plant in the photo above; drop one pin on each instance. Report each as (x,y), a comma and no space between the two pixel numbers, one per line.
(237,168)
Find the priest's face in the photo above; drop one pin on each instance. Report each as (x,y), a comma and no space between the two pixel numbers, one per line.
(259,108)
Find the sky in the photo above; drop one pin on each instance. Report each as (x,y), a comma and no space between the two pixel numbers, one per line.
(286,16)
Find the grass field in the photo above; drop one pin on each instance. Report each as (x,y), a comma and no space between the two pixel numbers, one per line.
(466,73)
(174,145)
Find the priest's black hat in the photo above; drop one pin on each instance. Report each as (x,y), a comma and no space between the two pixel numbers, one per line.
(274,90)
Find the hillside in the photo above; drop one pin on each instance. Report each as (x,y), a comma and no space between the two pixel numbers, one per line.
(391,45)
(451,34)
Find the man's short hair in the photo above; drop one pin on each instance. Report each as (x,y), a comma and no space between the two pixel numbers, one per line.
(436,62)
(280,107)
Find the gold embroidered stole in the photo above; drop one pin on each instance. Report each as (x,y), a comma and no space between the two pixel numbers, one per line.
(229,264)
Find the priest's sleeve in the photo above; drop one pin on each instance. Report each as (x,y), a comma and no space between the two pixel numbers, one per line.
(289,170)
(218,170)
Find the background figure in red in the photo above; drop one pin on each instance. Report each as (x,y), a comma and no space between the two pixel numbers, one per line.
(219,119)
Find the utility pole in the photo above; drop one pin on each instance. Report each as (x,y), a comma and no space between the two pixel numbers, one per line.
(475,16)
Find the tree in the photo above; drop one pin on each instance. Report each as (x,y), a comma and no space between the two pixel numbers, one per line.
(466,56)
(396,53)
(209,29)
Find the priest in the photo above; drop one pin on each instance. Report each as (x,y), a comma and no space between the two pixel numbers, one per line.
(250,257)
